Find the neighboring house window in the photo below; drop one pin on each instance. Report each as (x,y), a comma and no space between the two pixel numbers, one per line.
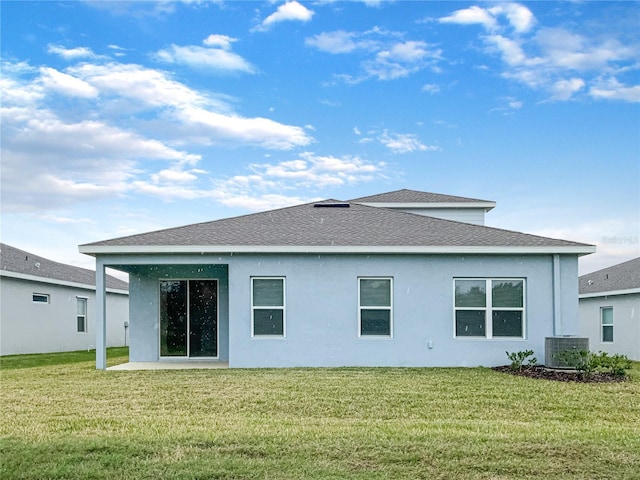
(606,316)
(489,308)
(375,310)
(40,298)
(81,314)
(267,306)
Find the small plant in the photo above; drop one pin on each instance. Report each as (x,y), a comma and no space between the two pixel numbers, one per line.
(616,364)
(587,363)
(582,360)
(518,359)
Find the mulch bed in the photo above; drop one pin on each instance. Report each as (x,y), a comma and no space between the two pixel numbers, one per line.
(541,372)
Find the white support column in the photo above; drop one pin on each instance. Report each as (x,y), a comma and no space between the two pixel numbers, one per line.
(557,296)
(101,316)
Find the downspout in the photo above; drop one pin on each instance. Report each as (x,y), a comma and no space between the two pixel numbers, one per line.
(101,324)
(557,297)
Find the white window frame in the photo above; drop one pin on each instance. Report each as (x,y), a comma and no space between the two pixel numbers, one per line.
(86,306)
(46,296)
(283,307)
(489,308)
(603,325)
(366,307)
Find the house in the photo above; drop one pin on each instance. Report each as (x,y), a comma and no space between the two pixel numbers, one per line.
(373,281)
(47,306)
(609,307)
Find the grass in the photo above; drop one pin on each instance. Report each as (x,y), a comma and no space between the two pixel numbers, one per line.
(66,420)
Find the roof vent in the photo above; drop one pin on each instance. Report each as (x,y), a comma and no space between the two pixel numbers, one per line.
(331,205)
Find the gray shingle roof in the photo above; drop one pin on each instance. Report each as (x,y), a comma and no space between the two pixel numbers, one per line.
(413,196)
(623,276)
(358,225)
(18,261)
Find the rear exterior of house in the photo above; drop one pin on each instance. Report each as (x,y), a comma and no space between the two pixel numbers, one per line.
(609,309)
(345,284)
(47,306)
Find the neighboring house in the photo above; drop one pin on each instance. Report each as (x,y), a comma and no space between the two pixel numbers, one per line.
(357,283)
(47,306)
(610,309)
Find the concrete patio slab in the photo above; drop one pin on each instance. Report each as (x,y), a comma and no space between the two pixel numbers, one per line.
(168,365)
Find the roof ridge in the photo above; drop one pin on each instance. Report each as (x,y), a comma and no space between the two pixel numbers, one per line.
(417,192)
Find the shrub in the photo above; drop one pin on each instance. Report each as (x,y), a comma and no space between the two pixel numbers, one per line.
(616,364)
(588,363)
(518,359)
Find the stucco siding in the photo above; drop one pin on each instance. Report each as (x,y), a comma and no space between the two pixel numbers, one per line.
(626,324)
(467,215)
(321,311)
(29,327)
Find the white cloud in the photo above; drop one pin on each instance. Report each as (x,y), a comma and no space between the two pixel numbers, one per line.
(389,58)
(290,11)
(565,89)
(431,88)
(56,81)
(306,173)
(219,41)
(470,16)
(549,58)
(236,129)
(333,42)
(404,143)
(215,56)
(71,53)
(198,118)
(519,16)
(612,89)
(88,157)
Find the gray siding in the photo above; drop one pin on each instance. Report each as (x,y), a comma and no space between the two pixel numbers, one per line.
(474,216)
(28,327)
(322,307)
(626,324)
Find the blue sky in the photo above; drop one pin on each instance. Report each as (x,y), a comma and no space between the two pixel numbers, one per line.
(125,117)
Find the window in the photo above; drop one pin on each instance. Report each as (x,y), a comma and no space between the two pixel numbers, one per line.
(489,308)
(267,307)
(81,314)
(606,317)
(189,318)
(375,306)
(40,298)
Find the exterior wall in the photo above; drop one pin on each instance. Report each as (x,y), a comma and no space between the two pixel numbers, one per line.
(28,327)
(322,301)
(568,288)
(467,215)
(626,324)
(144,290)
(322,307)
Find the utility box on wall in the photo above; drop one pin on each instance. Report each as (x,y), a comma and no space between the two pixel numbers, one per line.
(553,346)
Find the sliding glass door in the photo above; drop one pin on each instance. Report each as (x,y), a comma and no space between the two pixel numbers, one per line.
(189,318)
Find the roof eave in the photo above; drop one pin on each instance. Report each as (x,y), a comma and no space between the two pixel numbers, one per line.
(55,281)
(335,249)
(610,293)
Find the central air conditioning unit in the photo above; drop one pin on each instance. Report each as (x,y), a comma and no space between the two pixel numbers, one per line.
(553,346)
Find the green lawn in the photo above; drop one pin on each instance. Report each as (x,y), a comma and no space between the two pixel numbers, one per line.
(63,419)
